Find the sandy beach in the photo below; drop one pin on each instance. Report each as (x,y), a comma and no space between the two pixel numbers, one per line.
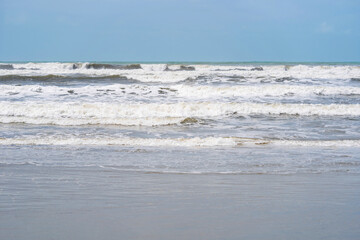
(85,203)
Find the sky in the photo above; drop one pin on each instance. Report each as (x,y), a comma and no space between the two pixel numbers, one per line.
(180,30)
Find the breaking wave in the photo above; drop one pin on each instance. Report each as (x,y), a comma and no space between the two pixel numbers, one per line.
(182,72)
(68,113)
(107,66)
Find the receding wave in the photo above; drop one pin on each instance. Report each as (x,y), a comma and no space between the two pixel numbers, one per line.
(76,121)
(68,113)
(177,142)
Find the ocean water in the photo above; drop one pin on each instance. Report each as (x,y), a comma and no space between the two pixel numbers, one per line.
(70,129)
(230,116)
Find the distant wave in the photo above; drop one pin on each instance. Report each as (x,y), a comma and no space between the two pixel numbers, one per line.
(107,66)
(6,66)
(52,77)
(171,73)
(179,68)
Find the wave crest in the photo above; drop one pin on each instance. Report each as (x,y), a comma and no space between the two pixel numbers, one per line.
(111,66)
(68,113)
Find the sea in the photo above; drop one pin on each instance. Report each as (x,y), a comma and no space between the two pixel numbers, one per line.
(244,150)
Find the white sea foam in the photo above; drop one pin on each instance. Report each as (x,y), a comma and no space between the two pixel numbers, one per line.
(112,92)
(68,113)
(153,67)
(261,91)
(179,142)
(317,143)
(68,121)
(176,142)
(179,90)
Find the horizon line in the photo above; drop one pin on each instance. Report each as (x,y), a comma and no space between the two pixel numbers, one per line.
(187,62)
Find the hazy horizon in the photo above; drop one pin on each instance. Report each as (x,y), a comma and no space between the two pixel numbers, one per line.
(183,62)
(180,31)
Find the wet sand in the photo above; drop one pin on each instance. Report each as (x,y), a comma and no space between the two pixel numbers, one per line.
(90,203)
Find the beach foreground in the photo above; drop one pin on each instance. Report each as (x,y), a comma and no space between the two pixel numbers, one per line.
(88,203)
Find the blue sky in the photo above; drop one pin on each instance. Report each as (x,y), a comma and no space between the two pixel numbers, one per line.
(180,30)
